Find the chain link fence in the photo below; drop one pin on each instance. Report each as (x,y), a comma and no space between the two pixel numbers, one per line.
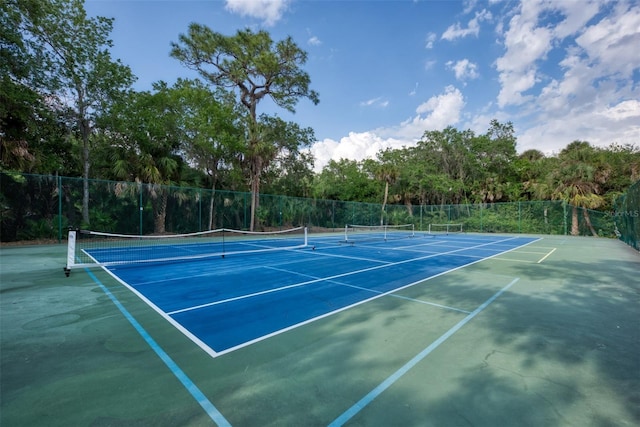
(39,207)
(627,216)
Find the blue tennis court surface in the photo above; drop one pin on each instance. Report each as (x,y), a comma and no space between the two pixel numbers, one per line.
(223,304)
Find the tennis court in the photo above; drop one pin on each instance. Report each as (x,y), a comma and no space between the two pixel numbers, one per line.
(426,329)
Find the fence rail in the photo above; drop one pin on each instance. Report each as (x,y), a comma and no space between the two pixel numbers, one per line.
(44,206)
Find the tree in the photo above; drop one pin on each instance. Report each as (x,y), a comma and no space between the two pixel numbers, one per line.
(291,174)
(287,167)
(346,180)
(492,163)
(34,126)
(211,133)
(448,161)
(577,181)
(253,66)
(76,64)
(144,137)
(620,165)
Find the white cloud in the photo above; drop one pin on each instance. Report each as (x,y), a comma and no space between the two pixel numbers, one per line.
(414,91)
(431,38)
(469,5)
(436,113)
(525,45)
(473,29)
(619,123)
(464,69)
(375,102)
(629,109)
(270,11)
(576,16)
(356,146)
(439,111)
(601,49)
(612,44)
(430,64)
(314,41)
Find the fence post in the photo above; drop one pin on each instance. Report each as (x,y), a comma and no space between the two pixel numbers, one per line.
(280,199)
(140,187)
(564,216)
(244,205)
(199,210)
(520,217)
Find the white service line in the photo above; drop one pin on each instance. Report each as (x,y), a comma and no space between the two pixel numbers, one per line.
(545,257)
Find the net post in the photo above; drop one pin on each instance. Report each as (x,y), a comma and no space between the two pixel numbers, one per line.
(346,237)
(71,252)
(223,251)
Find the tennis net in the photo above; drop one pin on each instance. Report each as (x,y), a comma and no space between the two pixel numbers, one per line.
(354,233)
(91,248)
(445,228)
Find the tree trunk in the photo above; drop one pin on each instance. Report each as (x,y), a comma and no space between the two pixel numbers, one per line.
(212,220)
(212,212)
(159,211)
(409,206)
(384,201)
(256,171)
(84,134)
(574,221)
(255,165)
(587,220)
(85,182)
(255,198)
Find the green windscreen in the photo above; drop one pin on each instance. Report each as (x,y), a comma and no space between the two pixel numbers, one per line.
(627,216)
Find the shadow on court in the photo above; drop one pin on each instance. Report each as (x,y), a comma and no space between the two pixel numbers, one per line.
(560,347)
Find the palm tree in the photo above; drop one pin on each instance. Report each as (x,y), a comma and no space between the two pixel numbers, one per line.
(387,173)
(576,181)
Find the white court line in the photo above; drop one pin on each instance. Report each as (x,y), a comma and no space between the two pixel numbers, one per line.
(446,307)
(531,252)
(545,257)
(513,260)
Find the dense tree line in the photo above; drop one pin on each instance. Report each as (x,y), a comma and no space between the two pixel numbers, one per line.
(67,107)
(452,166)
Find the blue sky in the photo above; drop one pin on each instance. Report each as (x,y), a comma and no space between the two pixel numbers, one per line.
(387,71)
